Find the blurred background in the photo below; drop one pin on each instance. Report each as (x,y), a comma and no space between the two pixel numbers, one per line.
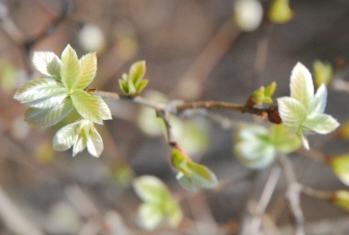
(194,50)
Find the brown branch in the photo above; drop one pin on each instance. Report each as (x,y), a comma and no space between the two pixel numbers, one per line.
(271,113)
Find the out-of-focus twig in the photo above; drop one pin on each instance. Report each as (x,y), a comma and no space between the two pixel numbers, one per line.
(251,224)
(293,195)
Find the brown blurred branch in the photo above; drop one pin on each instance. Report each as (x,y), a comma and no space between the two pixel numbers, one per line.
(270,113)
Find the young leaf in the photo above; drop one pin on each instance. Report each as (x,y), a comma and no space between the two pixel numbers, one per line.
(303,112)
(340,166)
(263,95)
(280,12)
(66,137)
(137,71)
(94,142)
(150,189)
(253,148)
(88,69)
(70,67)
(79,135)
(191,175)
(47,63)
(91,107)
(38,90)
(50,116)
(323,73)
(158,204)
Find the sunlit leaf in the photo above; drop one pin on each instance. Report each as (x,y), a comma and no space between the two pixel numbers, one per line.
(38,90)
(94,142)
(47,63)
(303,112)
(90,106)
(80,144)
(88,69)
(66,137)
(302,87)
(137,71)
(292,112)
(150,216)
(50,116)
(70,69)
(321,123)
(340,166)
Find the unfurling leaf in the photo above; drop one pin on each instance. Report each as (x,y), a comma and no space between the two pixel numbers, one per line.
(263,95)
(341,199)
(323,73)
(70,67)
(257,146)
(79,135)
(47,63)
(340,166)
(303,112)
(280,12)
(133,83)
(190,174)
(159,206)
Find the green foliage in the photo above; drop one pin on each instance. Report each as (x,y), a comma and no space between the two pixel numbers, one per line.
(303,112)
(257,146)
(133,83)
(159,206)
(340,166)
(280,12)
(191,175)
(79,135)
(341,199)
(59,91)
(323,73)
(52,97)
(264,94)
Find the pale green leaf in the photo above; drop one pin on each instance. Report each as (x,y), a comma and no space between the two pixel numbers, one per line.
(66,137)
(51,116)
(91,107)
(323,72)
(70,67)
(94,142)
(150,189)
(340,166)
(79,145)
(137,71)
(88,69)
(280,12)
(47,63)
(38,90)
(302,87)
(150,216)
(292,112)
(319,102)
(201,176)
(321,123)
(283,139)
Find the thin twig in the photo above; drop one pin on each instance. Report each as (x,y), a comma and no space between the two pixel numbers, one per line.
(293,195)
(270,113)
